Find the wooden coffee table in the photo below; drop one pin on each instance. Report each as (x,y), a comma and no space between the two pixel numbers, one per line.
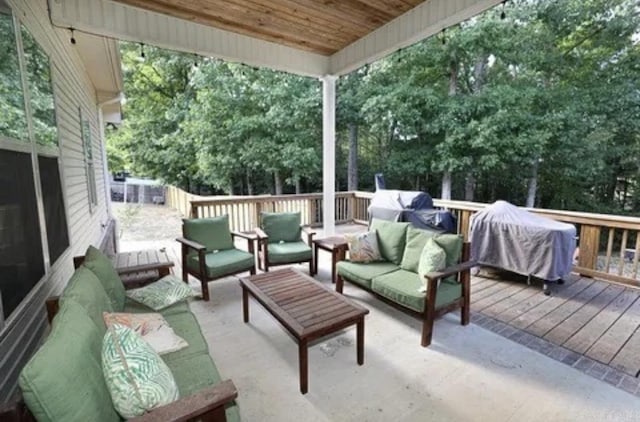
(305,308)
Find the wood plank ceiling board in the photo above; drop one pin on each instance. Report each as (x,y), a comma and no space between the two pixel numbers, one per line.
(319,26)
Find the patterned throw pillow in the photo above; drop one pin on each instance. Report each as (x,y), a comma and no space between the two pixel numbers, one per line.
(137,378)
(433,258)
(363,247)
(164,292)
(153,329)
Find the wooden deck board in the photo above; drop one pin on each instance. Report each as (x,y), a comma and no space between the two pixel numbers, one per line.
(499,307)
(627,358)
(561,333)
(591,332)
(504,293)
(548,306)
(561,313)
(605,349)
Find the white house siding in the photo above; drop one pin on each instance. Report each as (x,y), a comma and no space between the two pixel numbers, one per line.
(27,326)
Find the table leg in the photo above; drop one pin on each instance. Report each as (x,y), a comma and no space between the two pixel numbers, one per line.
(334,255)
(245,304)
(360,340)
(315,258)
(304,366)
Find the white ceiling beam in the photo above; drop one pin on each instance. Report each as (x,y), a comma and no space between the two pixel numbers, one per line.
(421,22)
(120,21)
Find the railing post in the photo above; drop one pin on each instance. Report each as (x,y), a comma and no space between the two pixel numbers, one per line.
(589,246)
(194,210)
(351,206)
(465,219)
(256,215)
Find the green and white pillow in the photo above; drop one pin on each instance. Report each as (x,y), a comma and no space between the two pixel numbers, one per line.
(137,378)
(363,247)
(433,258)
(162,293)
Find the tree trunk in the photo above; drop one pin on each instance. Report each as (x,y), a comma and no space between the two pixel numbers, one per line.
(532,185)
(469,186)
(453,84)
(278,182)
(352,178)
(298,186)
(230,187)
(249,185)
(446,185)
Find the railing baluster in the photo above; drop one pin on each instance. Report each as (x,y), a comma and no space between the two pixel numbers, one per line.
(623,247)
(607,264)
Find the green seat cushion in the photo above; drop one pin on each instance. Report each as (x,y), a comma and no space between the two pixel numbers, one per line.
(133,307)
(194,373)
(85,289)
(289,252)
(452,245)
(186,326)
(222,263)
(64,381)
(281,226)
(392,237)
(416,239)
(102,267)
(361,273)
(403,287)
(213,233)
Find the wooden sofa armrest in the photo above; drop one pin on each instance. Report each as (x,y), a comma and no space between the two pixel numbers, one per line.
(262,236)
(453,270)
(191,244)
(15,411)
(207,405)
(248,236)
(309,232)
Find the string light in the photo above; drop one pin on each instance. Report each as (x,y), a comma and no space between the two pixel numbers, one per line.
(444,36)
(503,14)
(73,39)
(142,50)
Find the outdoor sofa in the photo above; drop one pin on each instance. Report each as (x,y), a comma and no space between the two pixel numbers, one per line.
(395,280)
(64,380)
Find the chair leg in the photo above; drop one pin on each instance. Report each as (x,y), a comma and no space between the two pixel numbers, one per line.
(339,283)
(466,298)
(252,271)
(427,329)
(205,290)
(311,272)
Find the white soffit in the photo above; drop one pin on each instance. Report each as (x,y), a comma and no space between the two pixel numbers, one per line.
(101,58)
(120,21)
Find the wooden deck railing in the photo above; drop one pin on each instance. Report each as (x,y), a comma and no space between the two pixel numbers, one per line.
(609,244)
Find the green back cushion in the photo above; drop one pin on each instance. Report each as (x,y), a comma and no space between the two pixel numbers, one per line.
(281,226)
(416,239)
(85,289)
(63,381)
(391,239)
(452,245)
(101,266)
(213,233)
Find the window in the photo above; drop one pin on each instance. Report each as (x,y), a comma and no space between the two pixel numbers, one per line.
(21,258)
(38,72)
(54,212)
(29,213)
(13,120)
(88,159)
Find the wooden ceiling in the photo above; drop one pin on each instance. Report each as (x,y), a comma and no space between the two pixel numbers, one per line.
(318,26)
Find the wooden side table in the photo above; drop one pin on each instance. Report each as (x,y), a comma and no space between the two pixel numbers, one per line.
(336,246)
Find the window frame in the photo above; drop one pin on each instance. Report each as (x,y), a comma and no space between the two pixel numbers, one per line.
(34,149)
(89,162)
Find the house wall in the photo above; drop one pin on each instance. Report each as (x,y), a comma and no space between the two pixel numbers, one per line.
(26,327)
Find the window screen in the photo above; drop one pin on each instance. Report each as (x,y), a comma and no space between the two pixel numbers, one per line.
(54,213)
(21,262)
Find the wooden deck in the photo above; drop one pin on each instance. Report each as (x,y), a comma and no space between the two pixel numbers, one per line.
(593,318)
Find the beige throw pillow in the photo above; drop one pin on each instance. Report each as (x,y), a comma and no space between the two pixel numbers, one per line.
(153,329)
(363,247)
(433,258)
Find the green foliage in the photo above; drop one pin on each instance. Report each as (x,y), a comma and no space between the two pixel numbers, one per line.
(551,91)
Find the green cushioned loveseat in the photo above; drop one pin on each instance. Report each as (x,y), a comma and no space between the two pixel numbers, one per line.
(395,278)
(64,380)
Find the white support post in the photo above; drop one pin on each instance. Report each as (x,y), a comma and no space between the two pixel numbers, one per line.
(329,154)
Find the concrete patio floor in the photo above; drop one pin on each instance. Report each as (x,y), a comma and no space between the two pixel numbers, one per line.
(467,374)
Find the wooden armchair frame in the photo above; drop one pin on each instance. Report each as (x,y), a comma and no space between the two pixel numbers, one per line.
(263,251)
(462,271)
(201,272)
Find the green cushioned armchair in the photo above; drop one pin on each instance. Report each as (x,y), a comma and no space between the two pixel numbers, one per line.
(208,251)
(280,241)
